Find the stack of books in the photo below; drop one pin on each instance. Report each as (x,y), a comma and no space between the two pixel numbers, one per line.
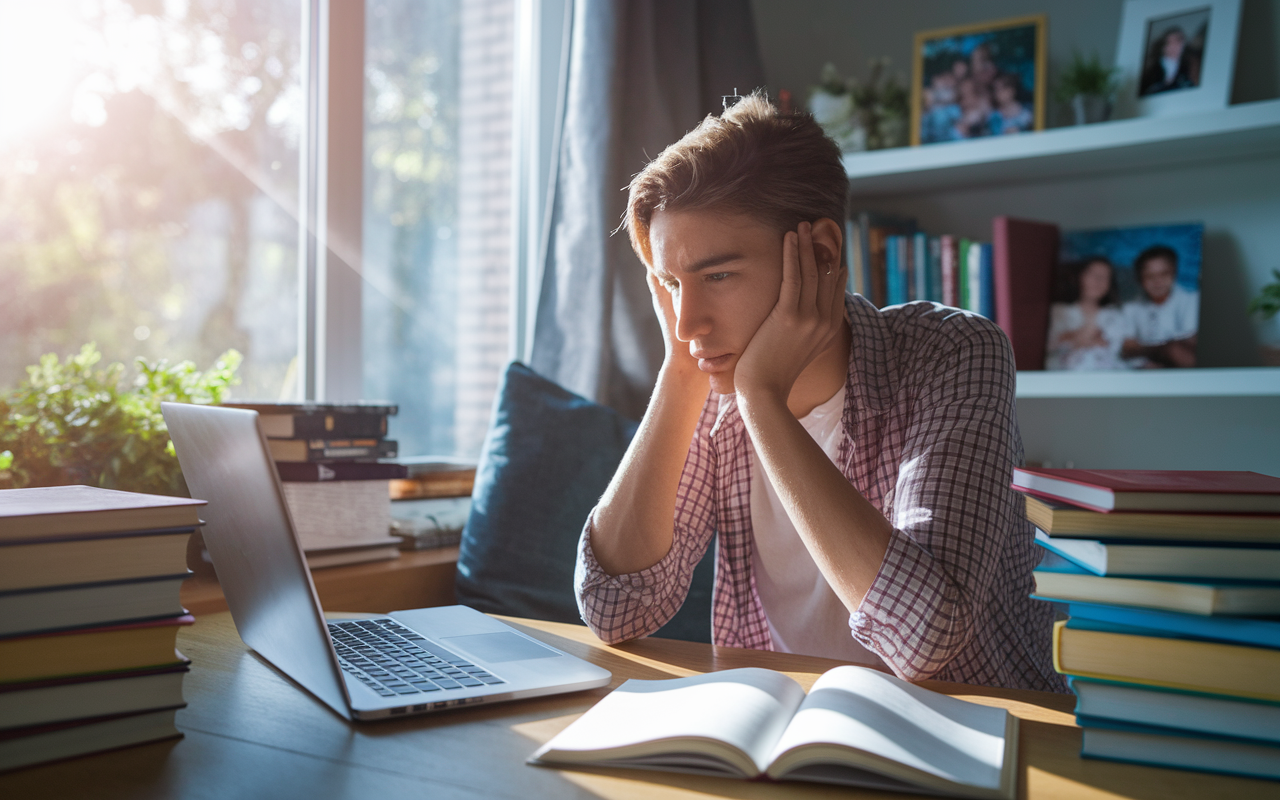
(89,616)
(337,490)
(431,504)
(1171,582)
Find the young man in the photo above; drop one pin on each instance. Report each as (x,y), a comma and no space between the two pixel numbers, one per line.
(855,463)
(1164,320)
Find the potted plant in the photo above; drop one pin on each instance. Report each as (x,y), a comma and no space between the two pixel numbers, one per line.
(858,115)
(1088,87)
(1267,306)
(76,422)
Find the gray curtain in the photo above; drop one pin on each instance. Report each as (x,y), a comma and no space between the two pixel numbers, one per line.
(641,73)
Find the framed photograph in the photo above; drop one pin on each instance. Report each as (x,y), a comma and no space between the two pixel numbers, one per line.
(1126,298)
(985,79)
(1176,56)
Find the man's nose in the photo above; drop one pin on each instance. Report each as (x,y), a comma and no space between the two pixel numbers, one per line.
(692,317)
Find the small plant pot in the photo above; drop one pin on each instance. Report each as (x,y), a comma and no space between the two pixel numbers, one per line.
(1090,108)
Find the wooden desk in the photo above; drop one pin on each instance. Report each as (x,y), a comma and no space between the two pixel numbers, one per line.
(250,733)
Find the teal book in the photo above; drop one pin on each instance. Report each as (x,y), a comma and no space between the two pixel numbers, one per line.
(1143,744)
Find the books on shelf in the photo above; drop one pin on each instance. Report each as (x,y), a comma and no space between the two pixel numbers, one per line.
(1061,519)
(322,420)
(1023,258)
(856,727)
(1171,560)
(89,615)
(1154,490)
(433,476)
(1172,644)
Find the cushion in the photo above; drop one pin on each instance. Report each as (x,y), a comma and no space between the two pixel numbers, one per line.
(547,459)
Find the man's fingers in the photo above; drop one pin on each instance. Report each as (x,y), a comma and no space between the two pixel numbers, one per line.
(809,278)
(789,295)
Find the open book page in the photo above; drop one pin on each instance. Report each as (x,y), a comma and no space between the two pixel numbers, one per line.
(899,725)
(744,708)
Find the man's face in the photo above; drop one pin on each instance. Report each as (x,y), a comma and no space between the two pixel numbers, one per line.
(724,272)
(1157,279)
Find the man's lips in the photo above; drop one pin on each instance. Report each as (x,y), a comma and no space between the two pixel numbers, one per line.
(715,363)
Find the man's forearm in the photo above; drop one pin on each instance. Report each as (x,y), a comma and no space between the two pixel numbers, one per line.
(635,518)
(845,534)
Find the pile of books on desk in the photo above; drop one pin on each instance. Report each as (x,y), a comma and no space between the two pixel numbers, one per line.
(1172,586)
(430,505)
(337,490)
(89,615)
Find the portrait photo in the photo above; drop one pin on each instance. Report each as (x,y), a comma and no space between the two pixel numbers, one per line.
(978,80)
(1174,52)
(1126,298)
(1175,56)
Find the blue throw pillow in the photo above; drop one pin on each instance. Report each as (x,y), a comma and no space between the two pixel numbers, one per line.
(546,461)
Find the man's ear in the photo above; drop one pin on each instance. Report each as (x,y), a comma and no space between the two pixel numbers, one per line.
(828,239)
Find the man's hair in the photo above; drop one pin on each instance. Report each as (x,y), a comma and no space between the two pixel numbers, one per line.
(779,168)
(1152,253)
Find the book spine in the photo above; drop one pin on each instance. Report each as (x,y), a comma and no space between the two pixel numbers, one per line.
(878,273)
(973,272)
(935,270)
(962,273)
(853,255)
(905,289)
(949,269)
(920,260)
(988,283)
(339,426)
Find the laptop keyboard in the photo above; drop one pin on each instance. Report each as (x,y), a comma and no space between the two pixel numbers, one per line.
(392,660)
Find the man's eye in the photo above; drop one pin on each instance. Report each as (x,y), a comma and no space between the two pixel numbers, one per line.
(716,277)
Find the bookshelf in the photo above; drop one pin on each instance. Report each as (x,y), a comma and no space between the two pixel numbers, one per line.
(1118,173)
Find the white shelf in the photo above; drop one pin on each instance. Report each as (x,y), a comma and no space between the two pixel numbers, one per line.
(1235,382)
(1241,131)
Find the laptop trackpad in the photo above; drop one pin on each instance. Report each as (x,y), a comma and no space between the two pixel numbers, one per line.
(498,647)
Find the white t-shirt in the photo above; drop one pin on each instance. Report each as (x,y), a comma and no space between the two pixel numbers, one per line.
(1068,317)
(1178,317)
(803,612)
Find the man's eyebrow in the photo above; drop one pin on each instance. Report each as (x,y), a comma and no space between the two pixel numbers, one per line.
(713,261)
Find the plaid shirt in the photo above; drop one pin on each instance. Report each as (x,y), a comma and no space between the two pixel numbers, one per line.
(930,440)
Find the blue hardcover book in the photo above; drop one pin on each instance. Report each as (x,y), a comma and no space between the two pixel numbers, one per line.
(1161,707)
(891,270)
(987,281)
(1143,744)
(935,269)
(1235,630)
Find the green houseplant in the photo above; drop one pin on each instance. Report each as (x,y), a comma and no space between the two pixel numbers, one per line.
(75,421)
(1088,87)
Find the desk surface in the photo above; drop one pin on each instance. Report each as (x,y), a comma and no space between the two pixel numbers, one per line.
(250,733)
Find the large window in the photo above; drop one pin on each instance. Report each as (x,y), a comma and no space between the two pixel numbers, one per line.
(437,215)
(149,182)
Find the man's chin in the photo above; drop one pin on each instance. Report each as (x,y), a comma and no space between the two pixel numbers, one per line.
(722,382)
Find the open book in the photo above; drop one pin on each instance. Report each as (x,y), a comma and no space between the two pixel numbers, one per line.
(856,727)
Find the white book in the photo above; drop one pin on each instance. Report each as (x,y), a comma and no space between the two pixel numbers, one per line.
(331,514)
(856,727)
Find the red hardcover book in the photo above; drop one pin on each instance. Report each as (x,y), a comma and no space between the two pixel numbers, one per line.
(950,257)
(1024,254)
(1154,490)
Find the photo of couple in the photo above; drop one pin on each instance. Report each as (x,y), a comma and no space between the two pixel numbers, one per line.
(1127,298)
(976,83)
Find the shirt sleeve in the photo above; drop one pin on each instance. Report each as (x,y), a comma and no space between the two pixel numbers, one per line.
(619,608)
(952,508)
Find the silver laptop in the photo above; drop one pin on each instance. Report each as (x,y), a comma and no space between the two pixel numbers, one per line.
(407,662)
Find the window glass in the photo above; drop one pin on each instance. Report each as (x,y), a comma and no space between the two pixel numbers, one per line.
(437,244)
(149,182)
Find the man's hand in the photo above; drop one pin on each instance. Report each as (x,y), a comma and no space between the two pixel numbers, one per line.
(808,316)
